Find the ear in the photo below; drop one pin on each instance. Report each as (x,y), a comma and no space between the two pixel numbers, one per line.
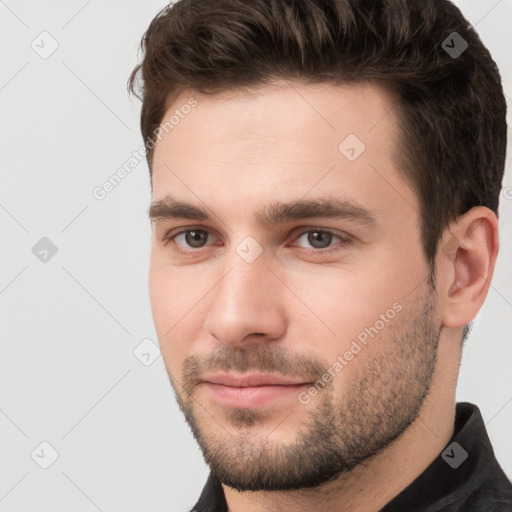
(465,265)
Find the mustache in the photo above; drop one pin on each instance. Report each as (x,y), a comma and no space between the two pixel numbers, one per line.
(258,358)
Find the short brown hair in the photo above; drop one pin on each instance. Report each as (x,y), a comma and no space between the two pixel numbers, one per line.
(451,106)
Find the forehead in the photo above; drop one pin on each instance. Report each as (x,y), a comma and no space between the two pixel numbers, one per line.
(282,142)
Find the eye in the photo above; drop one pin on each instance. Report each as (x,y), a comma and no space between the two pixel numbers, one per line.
(321,240)
(193,238)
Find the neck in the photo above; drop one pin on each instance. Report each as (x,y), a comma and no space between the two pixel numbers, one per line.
(371,485)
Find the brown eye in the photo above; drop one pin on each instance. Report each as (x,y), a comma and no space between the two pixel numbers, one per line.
(194,238)
(321,240)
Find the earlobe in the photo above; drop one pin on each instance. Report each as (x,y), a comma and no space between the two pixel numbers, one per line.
(468,258)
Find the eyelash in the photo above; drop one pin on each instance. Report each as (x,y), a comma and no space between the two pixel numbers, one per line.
(344,240)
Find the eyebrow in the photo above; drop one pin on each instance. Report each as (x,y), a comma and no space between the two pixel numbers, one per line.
(276,212)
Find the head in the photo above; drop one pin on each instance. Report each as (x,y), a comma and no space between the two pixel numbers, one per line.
(324,209)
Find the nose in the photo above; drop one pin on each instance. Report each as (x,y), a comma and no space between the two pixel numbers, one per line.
(248,304)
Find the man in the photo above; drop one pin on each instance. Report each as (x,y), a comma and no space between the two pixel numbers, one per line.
(325,179)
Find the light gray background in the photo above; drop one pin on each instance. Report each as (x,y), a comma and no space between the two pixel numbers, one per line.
(69,326)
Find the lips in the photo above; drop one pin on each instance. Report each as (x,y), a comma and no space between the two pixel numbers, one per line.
(254,390)
(250,380)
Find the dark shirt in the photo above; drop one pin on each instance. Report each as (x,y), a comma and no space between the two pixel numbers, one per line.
(465,477)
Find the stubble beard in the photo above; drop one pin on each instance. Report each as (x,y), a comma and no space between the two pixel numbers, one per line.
(384,398)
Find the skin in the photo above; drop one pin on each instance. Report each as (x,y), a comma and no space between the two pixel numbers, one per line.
(293,313)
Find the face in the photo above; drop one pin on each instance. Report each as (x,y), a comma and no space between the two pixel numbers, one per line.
(294,314)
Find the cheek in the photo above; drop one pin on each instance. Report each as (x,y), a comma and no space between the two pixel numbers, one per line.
(173,290)
(342,313)
(339,299)
(173,298)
